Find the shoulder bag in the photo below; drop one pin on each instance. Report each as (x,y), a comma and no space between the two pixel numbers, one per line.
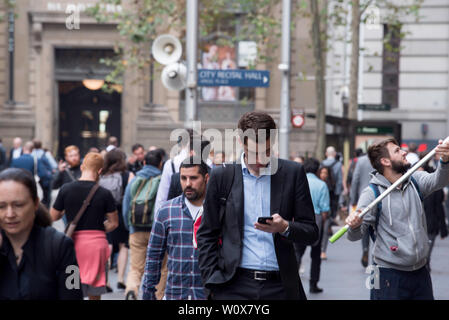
(72,225)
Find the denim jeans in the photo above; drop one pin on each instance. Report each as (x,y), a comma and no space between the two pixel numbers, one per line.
(403,285)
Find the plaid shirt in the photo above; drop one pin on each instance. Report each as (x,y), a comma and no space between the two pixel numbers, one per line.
(173,231)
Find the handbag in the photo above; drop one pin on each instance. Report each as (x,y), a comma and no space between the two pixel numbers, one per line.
(40,191)
(72,225)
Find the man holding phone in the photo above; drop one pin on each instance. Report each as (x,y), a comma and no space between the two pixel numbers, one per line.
(240,256)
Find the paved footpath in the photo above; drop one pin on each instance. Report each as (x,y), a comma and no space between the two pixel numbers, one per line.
(342,275)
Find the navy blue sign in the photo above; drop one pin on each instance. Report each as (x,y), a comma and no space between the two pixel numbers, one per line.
(233,78)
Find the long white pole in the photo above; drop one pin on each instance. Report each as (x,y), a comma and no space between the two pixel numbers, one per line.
(284,127)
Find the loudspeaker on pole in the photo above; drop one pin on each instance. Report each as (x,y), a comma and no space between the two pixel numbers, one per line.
(174,76)
(166,49)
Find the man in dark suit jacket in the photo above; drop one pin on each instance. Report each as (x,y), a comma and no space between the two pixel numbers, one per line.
(240,258)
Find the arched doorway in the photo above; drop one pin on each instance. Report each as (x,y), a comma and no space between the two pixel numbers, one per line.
(87,118)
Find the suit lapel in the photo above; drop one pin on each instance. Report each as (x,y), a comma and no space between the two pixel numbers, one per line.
(238,196)
(276,190)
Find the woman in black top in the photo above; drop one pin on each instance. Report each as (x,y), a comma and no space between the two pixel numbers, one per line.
(99,218)
(36,261)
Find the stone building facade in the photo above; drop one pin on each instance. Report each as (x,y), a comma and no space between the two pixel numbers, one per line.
(51,104)
(414,83)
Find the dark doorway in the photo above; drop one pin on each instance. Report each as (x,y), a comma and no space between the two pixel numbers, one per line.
(87,118)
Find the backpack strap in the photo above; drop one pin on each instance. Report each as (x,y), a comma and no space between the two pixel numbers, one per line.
(125,178)
(145,208)
(172,166)
(70,174)
(415,183)
(333,164)
(373,231)
(133,200)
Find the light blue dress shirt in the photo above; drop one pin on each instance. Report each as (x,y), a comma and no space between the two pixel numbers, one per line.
(319,193)
(258,246)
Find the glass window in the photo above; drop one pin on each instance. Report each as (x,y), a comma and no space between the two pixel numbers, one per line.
(390,65)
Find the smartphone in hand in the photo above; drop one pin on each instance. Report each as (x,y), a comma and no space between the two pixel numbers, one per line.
(263,220)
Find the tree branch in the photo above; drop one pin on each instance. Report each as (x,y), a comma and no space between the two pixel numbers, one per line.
(362,11)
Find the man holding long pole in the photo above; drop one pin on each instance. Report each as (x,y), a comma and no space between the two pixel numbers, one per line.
(398,223)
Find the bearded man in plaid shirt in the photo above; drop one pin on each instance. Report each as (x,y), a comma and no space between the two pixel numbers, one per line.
(173,231)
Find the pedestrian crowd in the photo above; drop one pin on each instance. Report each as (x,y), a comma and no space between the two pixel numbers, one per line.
(192,227)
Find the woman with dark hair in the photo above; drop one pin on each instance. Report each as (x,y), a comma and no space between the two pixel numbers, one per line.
(34,257)
(324,174)
(115,178)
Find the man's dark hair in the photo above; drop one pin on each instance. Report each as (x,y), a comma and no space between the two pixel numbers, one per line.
(412,147)
(358,152)
(311,165)
(37,144)
(153,158)
(162,153)
(195,162)
(136,146)
(256,121)
(114,161)
(379,150)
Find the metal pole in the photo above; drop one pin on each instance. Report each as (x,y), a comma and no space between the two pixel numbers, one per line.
(285,115)
(191,53)
(11,55)
(151,83)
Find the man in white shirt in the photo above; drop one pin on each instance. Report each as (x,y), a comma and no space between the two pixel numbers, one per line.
(112,143)
(172,165)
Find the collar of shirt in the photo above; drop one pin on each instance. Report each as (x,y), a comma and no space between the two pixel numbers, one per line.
(312,176)
(245,169)
(28,248)
(193,209)
(110,147)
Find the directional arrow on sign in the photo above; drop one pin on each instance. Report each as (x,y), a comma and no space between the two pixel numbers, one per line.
(233,78)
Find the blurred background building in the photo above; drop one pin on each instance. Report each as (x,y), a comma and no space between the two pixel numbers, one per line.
(53,93)
(57,74)
(407,86)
